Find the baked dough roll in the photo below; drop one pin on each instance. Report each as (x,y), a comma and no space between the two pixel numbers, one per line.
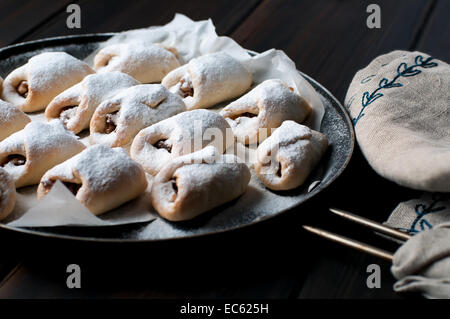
(117,120)
(253,116)
(76,105)
(32,86)
(285,159)
(7,194)
(11,119)
(179,135)
(195,183)
(208,80)
(147,63)
(29,153)
(101,178)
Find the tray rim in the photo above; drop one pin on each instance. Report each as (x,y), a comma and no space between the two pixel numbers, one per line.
(61,40)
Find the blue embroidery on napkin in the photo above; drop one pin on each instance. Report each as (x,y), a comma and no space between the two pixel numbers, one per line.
(403,70)
(422,210)
(350,101)
(367,79)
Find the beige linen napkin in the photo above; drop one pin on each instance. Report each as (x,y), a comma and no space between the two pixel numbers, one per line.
(400,107)
(422,264)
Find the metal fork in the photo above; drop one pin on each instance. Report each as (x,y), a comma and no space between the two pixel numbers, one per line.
(392,232)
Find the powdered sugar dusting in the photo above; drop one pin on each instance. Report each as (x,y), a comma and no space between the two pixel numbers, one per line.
(144,61)
(8,112)
(89,93)
(218,67)
(201,175)
(138,107)
(49,69)
(98,87)
(288,133)
(99,164)
(36,141)
(42,137)
(214,77)
(270,103)
(185,133)
(12,119)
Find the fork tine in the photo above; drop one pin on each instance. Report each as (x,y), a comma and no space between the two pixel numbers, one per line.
(372,224)
(351,243)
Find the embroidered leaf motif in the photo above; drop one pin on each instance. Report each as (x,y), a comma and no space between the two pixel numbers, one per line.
(425,64)
(385,84)
(411,72)
(355,120)
(424,225)
(402,68)
(429,65)
(419,59)
(367,99)
(393,85)
(367,79)
(350,101)
(423,210)
(402,71)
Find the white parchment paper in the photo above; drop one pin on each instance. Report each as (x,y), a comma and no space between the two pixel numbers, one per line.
(192,39)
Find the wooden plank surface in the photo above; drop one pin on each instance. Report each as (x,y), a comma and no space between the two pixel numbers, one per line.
(329,41)
(330,277)
(435,38)
(116,15)
(31,281)
(19,17)
(246,265)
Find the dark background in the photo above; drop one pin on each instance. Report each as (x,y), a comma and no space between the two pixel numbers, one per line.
(328,40)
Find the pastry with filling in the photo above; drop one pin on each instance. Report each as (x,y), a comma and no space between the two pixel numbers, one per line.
(146,62)
(76,105)
(12,119)
(32,86)
(26,155)
(117,120)
(179,135)
(101,178)
(7,194)
(286,158)
(254,116)
(198,182)
(208,80)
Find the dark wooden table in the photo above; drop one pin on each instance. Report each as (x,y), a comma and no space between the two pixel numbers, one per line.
(327,39)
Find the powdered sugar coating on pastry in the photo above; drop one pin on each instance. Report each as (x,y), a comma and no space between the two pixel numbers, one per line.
(7,194)
(32,86)
(76,105)
(117,120)
(146,62)
(26,155)
(179,135)
(286,158)
(208,80)
(196,183)
(12,119)
(100,177)
(253,116)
